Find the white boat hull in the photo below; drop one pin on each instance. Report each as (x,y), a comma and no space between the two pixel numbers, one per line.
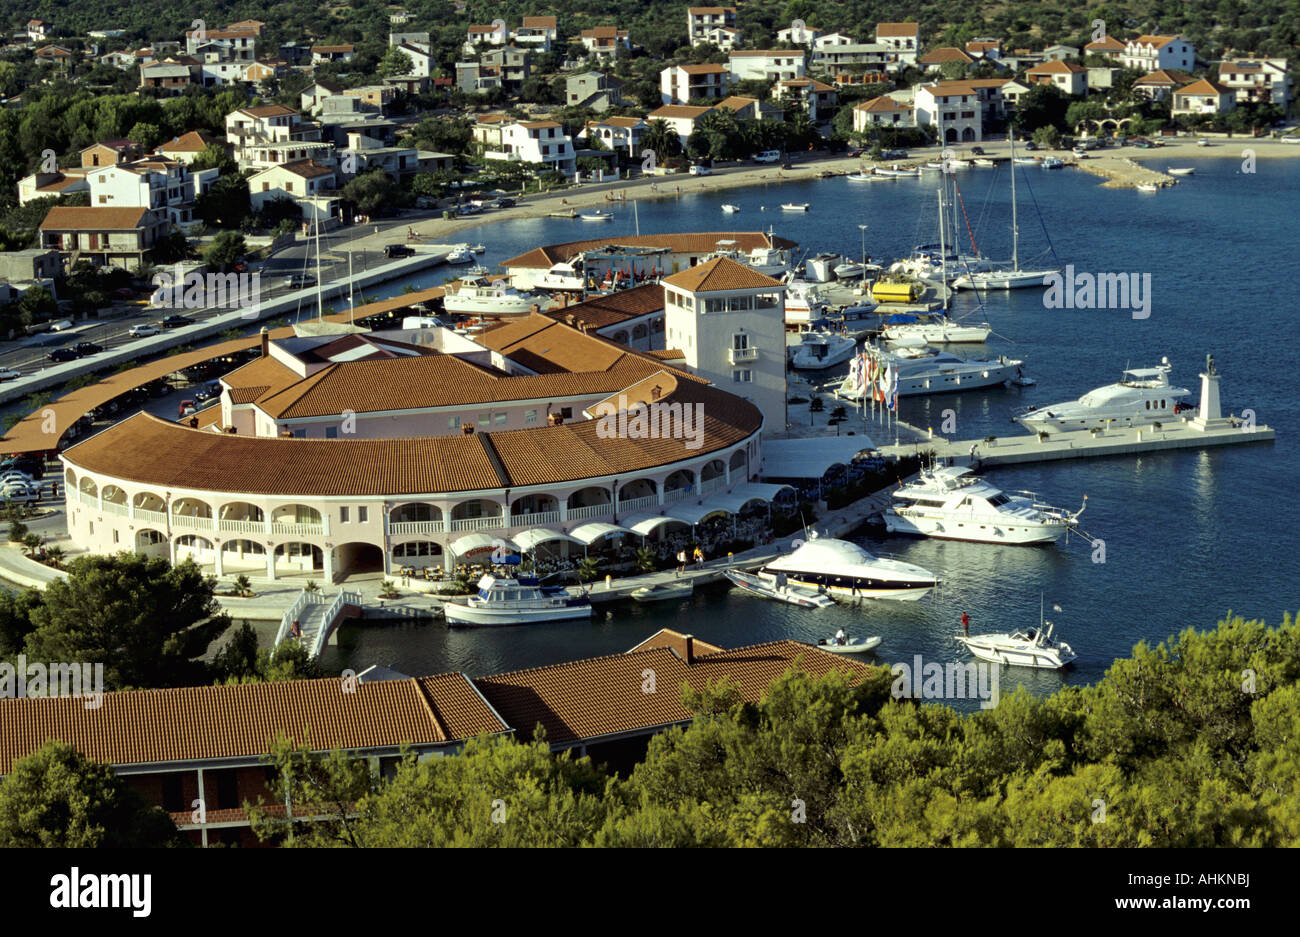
(806,362)
(474,306)
(457,614)
(1010,280)
(896,593)
(1023,654)
(855,646)
(974,530)
(938,334)
(683,591)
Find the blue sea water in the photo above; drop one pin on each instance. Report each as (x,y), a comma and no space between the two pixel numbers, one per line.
(1189,535)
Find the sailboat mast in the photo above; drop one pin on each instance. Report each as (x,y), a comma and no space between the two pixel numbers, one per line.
(320,307)
(1015,224)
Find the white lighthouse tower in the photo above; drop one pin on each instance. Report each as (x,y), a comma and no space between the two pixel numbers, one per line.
(1208,414)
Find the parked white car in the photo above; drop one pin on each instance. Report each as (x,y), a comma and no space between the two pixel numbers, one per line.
(9,374)
(701,171)
(142,330)
(61,325)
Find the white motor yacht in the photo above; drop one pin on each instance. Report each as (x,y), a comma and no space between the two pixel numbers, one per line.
(803,303)
(820,350)
(506,601)
(847,645)
(771,261)
(950,503)
(480,296)
(561,277)
(460,255)
(1141,397)
(730,209)
(1033,647)
(795,206)
(928,371)
(842,568)
(791,595)
(905,328)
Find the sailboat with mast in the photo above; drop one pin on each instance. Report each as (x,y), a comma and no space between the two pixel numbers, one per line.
(1014,278)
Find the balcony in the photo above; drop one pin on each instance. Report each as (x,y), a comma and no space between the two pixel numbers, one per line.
(478,523)
(404,528)
(741,355)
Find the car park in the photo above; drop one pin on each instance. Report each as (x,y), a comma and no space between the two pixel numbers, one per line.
(398,250)
(141,330)
(60,355)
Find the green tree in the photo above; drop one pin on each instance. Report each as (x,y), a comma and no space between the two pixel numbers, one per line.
(374,193)
(394,63)
(146,621)
(224,250)
(58,798)
(663,139)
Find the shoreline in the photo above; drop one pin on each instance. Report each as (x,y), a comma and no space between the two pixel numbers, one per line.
(1123,168)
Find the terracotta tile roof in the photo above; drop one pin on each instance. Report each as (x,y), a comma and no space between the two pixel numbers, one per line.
(306,168)
(721,273)
(657,386)
(947,54)
(710,11)
(1158,42)
(627,122)
(268,110)
(667,637)
(807,83)
(332,49)
(678,110)
(702,69)
(1204,86)
(260,376)
(242,721)
(602,696)
(196,141)
(94,218)
(548,255)
(983,47)
(1056,67)
(602,311)
(1106,44)
(882,104)
(67,178)
(897,29)
(540,22)
(1164,76)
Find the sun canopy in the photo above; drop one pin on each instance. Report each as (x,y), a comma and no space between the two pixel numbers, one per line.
(811,457)
(693,513)
(531,537)
(735,500)
(481,540)
(645,524)
(587,534)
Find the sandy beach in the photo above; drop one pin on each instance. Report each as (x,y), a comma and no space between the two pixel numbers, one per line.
(1120,166)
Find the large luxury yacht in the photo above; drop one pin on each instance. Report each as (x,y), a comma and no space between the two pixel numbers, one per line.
(841,568)
(1141,397)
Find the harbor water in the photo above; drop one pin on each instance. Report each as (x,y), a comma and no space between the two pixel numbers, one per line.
(1187,535)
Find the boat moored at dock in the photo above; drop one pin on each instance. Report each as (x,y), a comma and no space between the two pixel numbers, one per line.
(523,600)
(1141,397)
(840,567)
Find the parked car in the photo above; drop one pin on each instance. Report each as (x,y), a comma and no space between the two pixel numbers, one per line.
(902,154)
(977,150)
(87,348)
(398,250)
(9,374)
(504,203)
(187,408)
(1030,145)
(64,354)
(175,321)
(60,325)
(701,171)
(12,476)
(140,331)
(299,281)
(209,391)
(27,464)
(768,156)
(23,493)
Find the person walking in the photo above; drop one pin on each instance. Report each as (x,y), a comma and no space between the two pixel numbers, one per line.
(681,562)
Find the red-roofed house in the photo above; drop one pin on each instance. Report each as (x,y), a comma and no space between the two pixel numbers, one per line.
(1072,79)
(1150,53)
(680,84)
(1262,80)
(712,24)
(1203,97)
(605,42)
(884,112)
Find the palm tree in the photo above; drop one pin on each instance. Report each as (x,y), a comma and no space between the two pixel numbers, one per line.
(588,569)
(54,556)
(312,586)
(645,561)
(243,587)
(33,542)
(663,139)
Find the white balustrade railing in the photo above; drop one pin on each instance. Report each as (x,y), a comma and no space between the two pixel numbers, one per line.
(591,510)
(631,505)
(112,507)
(535,519)
(293,614)
(679,494)
(297,530)
(398,528)
(88,499)
(242,527)
(332,611)
(479,523)
(150,517)
(191,522)
(712,485)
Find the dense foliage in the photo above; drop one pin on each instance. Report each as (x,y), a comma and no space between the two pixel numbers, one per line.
(1192,743)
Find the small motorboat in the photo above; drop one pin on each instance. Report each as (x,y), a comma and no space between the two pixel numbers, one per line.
(1052,162)
(1025,160)
(850,645)
(859,177)
(478,248)
(956,164)
(933,165)
(848,270)
(516,601)
(1148,187)
(597,216)
(460,255)
(986,163)
(1184,171)
(663,591)
(795,206)
(566,213)
(896,173)
(1033,647)
(730,209)
(792,595)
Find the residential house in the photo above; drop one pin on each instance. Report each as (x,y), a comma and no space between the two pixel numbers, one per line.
(421,58)
(305,181)
(605,42)
(267,123)
(815,97)
(1153,53)
(901,38)
(620,134)
(57,55)
(712,24)
(1264,81)
(259,156)
(836,39)
(751,108)
(681,84)
(881,113)
(478,35)
(860,79)
(512,65)
(39,30)
(51,184)
(538,31)
(935,59)
(798,35)
(954,106)
(487,131)
(681,117)
(1107,46)
(834,57)
(1059,53)
(596,90)
(1013,90)
(472,77)
(1156,85)
(984,49)
(335,53)
(222,45)
(536,141)
(187,147)
(161,185)
(254,26)
(765,64)
(172,77)
(1070,78)
(312,96)
(376,98)
(117,237)
(1203,97)
(110,153)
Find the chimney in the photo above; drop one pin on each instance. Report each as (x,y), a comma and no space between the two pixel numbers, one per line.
(656,392)
(467,429)
(266,342)
(689,640)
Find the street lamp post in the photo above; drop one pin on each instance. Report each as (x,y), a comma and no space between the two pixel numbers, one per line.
(863,229)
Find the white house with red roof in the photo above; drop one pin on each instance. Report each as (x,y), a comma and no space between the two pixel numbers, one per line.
(1264,81)
(1151,53)
(1203,97)
(1068,77)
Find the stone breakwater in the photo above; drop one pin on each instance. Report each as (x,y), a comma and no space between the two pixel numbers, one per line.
(1123,173)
